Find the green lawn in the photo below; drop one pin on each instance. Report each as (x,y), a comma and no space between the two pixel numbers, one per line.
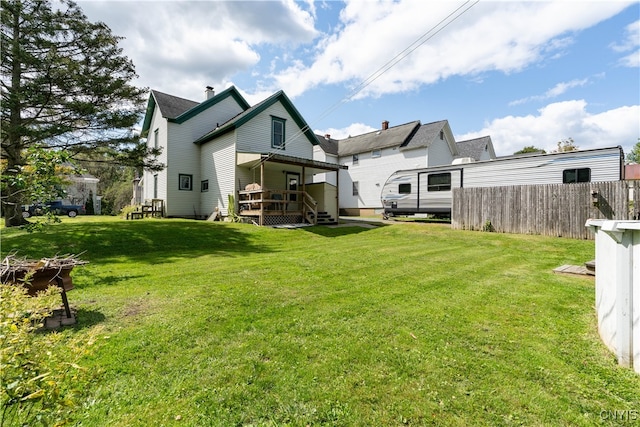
(218,324)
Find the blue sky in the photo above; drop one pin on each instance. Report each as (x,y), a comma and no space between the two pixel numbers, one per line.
(525,73)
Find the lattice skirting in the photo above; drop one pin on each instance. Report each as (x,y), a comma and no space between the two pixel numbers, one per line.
(280,219)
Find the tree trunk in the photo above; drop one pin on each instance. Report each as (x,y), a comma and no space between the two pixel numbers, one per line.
(12,200)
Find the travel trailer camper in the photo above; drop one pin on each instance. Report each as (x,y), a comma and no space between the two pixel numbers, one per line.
(429,190)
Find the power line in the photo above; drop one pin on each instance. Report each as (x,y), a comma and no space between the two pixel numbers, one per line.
(432,32)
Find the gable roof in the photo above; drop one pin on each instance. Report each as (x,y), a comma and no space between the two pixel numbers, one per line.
(171,106)
(250,113)
(178,110)
(425,135)
(395,136)
(328,145)
(474,147)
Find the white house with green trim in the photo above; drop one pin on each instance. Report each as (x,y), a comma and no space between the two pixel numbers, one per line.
(261,155)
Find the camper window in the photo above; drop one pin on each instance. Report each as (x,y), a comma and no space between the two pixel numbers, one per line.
(404,188)
(439,182)
(570,176)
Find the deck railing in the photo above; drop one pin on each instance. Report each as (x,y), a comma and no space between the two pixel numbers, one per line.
(262,202)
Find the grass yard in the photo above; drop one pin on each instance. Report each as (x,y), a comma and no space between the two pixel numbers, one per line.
(218,324)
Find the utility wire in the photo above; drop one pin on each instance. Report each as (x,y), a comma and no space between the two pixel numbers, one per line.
(432,32)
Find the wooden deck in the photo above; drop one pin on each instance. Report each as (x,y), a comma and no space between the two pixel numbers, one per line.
(276,207)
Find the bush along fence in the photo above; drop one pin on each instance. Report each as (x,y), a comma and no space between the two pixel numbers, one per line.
(551,210)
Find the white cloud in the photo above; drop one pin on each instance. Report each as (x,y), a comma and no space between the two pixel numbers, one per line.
(181,47)
(630,43)
(353,129)
(562,120)
(554,92)
(494,36)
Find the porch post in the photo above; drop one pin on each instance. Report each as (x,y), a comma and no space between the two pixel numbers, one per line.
(338,195)
(303,196)
(261,221)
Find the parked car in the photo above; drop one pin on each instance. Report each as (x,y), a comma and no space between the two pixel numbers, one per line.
(56,207)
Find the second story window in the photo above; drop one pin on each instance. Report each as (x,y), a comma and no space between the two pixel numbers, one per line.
(355,159)
(156,142)
(376,154)
(277,132)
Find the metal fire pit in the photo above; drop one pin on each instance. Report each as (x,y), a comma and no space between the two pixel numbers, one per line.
(37,276)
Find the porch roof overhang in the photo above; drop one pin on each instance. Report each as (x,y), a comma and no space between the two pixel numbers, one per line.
(254,159)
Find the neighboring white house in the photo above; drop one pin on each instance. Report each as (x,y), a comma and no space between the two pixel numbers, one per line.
(223,147)
(82,188)
(371,158)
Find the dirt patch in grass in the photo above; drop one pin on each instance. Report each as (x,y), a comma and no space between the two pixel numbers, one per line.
(136,308)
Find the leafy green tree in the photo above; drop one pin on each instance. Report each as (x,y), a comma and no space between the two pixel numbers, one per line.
(42,177)
(634,155)
(66,86)
(115,185)
(88,205)
(566,145)
(530,149)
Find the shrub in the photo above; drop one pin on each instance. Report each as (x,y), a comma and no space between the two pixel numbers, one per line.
(39,374)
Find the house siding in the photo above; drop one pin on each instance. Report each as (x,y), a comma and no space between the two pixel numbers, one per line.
(255,136)
(321,156)
(439,153)
(184,159)
(372,173)
(161,124)
(177,145)
(218,165)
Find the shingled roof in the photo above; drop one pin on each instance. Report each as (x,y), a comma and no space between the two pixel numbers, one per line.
(172,106)
(328,145)
(475,147)
(179,110)
(425,135)
(392,137)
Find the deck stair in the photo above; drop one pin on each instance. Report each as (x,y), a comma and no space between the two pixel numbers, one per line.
(324,218)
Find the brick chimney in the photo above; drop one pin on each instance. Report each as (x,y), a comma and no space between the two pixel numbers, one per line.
(209,92)
(385,125)
(327,136)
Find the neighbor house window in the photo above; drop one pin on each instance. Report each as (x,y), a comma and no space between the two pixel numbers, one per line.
(375,154)
(277,132)
(156,141)
(185,182)
(570,176)
(439,182)
(354,158)
(404,188)
(204,185)
(356,185)
(442,135)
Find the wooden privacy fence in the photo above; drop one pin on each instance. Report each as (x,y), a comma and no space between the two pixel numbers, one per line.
(550,210)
